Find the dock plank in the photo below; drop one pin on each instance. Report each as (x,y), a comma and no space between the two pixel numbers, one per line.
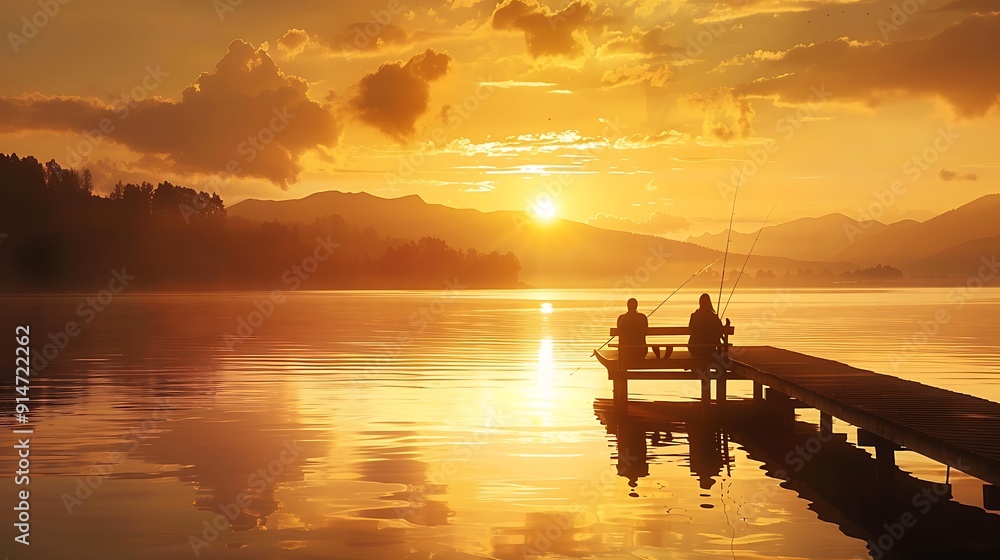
(953,428)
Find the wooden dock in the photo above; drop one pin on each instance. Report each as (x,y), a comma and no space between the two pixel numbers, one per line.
(952,428)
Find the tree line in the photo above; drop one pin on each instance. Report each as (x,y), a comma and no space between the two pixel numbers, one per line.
(60,235)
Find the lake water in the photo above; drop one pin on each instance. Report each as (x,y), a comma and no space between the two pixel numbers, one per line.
(442,424)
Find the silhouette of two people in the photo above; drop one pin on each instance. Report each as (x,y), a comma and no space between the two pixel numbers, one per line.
(703,342)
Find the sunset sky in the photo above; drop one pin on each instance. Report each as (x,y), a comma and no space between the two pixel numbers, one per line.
(627,108)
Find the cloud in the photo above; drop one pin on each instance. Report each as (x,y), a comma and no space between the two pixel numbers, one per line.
(951,175)
(245,118)
(655,75)
(293,42)
(507,84)
(726,10)
(649,43)
(722,104)
(393,97)
(366,38)
(567,141)
(959,65)
(645,8)
(657,224)
(662,138)
(551,33)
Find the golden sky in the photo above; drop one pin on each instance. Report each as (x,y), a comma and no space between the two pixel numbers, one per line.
(644,110)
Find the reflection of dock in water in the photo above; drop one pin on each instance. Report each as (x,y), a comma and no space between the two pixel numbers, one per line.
(868,499)
(955,429)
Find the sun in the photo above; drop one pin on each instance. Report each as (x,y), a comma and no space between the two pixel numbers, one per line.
(544,210)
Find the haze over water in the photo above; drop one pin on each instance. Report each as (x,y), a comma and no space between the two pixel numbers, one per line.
(433,424)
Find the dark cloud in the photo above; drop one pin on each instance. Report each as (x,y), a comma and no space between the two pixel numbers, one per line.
(393,97)
(951,175)
(551,33)
(960,65)
(657,224)
(245,118)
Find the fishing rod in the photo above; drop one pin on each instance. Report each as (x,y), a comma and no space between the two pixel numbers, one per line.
(692,277)
(729,236)
(677,290)
(746,260)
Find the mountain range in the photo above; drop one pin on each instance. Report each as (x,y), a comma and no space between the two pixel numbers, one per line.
(553,253)
(950,243)
(566,253)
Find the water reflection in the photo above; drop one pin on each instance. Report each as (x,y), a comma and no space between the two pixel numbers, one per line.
(461,437)
(895,513)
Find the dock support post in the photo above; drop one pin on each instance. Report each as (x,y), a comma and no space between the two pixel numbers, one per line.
(720,388)
(706,389)
(825,423)
(758,391)
(620,393)
(885,461)
(991,497)
(784,405)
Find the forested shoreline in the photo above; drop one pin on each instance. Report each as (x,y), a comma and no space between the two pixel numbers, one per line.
(57,235)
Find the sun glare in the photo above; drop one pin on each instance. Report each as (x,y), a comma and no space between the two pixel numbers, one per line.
(545,210)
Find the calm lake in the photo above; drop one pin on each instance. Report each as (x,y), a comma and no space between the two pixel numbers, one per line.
(432,424)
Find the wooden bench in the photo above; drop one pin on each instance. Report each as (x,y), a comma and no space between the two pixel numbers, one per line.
(678,364)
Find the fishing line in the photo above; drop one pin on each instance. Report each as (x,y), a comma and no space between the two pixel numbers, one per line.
(692,277)
(729,236)
(746,260)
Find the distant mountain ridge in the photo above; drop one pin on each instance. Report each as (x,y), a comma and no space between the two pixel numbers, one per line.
(558,253)
(566,253)
(821,238)
(949,244)
(906,243)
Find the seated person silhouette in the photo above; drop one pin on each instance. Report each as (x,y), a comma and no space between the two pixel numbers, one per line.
(706,329)
(632,328)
